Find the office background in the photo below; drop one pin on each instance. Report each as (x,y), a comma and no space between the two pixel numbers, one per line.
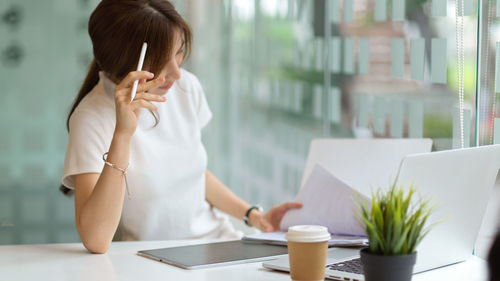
(277,73)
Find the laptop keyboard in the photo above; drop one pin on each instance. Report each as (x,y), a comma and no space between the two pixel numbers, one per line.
(351,266)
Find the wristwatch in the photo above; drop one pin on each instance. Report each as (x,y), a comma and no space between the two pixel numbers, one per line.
(246,218)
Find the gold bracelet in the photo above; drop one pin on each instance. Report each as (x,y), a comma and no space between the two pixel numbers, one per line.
(124,171)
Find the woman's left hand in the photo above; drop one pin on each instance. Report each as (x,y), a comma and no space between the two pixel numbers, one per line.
(270,221)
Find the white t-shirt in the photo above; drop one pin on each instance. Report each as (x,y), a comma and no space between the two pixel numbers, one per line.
(166,174)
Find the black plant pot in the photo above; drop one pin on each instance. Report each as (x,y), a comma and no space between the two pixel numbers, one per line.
(387,268)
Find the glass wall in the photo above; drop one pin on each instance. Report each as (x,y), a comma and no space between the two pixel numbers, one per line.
(277,73)
(44,53)
(488,109)
(294,70)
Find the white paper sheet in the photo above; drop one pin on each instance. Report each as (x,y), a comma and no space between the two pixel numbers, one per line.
(279,238)
(329,202)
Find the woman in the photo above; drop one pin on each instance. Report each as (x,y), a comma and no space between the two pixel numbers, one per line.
(114,146)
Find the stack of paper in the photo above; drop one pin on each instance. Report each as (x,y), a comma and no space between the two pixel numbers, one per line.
(278,238)
(326,201)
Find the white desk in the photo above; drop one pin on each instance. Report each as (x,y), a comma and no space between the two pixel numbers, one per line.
(73,262)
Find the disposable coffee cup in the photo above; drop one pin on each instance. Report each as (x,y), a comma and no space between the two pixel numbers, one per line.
(307,248)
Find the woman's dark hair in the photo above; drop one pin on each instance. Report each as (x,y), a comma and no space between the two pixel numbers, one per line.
(118,28)
(494,259)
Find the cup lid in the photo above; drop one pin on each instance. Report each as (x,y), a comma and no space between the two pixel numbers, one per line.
(308,233)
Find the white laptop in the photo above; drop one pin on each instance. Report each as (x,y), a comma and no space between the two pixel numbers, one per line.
(362,163)
(459,182)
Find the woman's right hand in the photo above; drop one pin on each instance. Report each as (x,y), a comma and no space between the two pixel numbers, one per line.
(127,113)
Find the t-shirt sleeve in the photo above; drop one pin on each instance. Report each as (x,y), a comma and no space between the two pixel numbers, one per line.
(87,143)
(203,110)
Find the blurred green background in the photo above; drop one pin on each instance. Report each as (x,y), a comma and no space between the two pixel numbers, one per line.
(277,73)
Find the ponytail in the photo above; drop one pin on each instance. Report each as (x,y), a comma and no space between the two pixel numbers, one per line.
(66,191)
(89,83)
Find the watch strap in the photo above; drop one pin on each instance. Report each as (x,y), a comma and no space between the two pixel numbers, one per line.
(246,218)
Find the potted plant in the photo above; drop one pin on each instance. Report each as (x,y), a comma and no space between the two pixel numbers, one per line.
(394,226)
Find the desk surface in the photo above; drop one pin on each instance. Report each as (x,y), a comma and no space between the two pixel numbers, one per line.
(73,262)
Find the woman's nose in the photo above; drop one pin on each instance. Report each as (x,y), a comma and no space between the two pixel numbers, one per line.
(173,71)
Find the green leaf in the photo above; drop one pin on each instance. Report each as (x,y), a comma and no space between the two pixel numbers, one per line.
(399,244)
(395,224)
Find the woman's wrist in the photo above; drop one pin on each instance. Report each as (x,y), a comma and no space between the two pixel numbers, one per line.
(122,136)
(121,144)
(254,217)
